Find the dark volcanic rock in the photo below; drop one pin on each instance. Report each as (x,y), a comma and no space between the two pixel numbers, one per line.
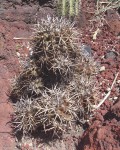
(111,55)
(87,50)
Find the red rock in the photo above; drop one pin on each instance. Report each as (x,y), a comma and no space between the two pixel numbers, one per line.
(99,117)
(114,121)
(103,74)
(108,103)
(113,89)
(116,109)
(114,70)
(99,53)
(2,28)
(101,133)
(106,66)
(115,25)
(103,112)
(107,134)
(118,59)
(109,75)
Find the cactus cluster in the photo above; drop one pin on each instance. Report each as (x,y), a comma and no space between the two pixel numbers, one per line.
(57,88)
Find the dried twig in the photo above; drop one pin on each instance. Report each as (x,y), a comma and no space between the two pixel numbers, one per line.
(21,38)
(107,95)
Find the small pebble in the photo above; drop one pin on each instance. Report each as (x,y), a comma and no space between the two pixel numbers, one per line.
(102,57)
(18,54)
(108,89)
(102,68)
(118,81)
(115,98)
(110,99)
(111,55)
(87,49)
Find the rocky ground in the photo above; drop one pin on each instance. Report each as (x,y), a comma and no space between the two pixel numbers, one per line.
(16,20)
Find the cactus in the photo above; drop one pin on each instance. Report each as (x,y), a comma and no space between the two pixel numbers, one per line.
(68,8)
(63,7)
(57,88)
(77,7)
(52,42)
(71,11)
(25,115)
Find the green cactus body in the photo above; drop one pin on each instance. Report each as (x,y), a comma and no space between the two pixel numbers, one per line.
(68,8)
(63,7)
(71,8)
(77,7)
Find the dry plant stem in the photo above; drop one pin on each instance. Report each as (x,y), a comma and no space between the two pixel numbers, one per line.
(21,38)
(106,96)
(109,5)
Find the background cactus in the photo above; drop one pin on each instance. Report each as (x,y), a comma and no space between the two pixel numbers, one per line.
(68,8)
(57,88)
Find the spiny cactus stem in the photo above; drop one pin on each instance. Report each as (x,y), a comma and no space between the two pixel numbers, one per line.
(63,7)
(71,9)
(77,7)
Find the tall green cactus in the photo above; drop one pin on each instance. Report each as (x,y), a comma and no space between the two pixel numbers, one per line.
(71,10)
(77,7)
(68,8)
(63,7)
